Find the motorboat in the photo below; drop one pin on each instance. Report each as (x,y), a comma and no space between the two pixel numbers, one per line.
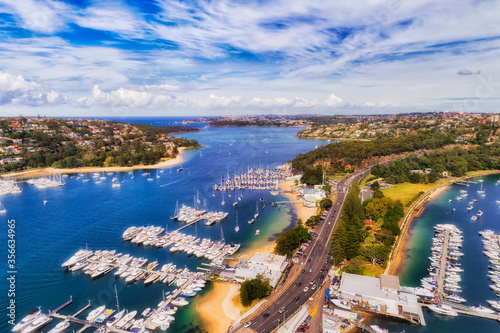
(32,315)
(61,327)
(92,316)
(104,315)
(113,320)
(443,309)
(341,304)
(38,323)
(126,319)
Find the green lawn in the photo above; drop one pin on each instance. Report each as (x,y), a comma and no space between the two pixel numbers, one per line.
(407,191)
(370,270)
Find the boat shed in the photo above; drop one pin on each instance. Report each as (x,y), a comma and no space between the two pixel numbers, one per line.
(381,295)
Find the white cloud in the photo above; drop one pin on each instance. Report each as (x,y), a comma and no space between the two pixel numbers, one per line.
(12,87)
(40,16)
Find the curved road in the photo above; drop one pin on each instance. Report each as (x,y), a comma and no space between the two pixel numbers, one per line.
(313,261)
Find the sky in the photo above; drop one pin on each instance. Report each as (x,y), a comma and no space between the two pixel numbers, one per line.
(206,58)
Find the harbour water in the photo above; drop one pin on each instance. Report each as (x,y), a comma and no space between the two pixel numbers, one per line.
(475,283)
(86,214)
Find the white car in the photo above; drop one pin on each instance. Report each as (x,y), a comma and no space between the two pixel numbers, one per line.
(247,324)
(306,289)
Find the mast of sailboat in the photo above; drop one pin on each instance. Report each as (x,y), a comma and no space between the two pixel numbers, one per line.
(117,304)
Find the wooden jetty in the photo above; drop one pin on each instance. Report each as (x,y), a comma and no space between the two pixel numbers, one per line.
(442,267)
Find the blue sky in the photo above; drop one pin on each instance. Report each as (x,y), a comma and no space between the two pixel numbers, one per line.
(119,58)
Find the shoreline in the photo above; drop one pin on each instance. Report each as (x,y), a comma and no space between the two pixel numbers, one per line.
(398,260)
(41,171)
(221,306)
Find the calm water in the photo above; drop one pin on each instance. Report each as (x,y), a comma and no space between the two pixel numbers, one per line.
(474,278)
(95,215)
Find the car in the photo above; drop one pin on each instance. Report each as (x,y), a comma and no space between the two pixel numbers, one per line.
(282,309)
(298,284)
(316,235)
(312,282)
(326,261)
(303,271)
(266,314)
(322,277)
(296,298)
(313,286)
(306,289)
(247,324)
(308,318)
(309,260)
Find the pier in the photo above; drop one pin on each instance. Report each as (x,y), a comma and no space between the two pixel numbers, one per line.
(465,310)
(442,268)
(148,323)
(85,323)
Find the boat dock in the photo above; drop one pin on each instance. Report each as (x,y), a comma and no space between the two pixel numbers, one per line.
(148,323)
(86,324)
(465,310)
(147,271)
(442,268)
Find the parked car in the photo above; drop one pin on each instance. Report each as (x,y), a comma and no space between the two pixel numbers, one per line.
(247,324)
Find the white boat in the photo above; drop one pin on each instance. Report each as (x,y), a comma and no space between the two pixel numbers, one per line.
(443,309)
(251,221)
(113,320)
(473,217)
(179,301)
(480,308)
(257,232)
(104,315)
(38,323)
(2,209)
(32,315)
(126,319)
(92,316)
(237,228)
(256,215)
(341,304)
(479,213)
(61,327)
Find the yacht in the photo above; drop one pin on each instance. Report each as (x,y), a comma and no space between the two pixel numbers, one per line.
(257,232)
(32,315)
(126,319)
(92,316)
(61,327)
(38,323)
(113,320)
(179,301)
(251,221)
(473,217)
(480,308)
(479,213)
(237,228)
(443,309)
(341,304)
(104,315)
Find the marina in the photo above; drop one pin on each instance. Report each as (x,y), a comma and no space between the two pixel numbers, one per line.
(254,179)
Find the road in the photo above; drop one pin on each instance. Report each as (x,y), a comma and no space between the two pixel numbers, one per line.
(313,264)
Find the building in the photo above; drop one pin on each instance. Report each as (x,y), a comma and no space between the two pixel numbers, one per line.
(381,295)
(267,265)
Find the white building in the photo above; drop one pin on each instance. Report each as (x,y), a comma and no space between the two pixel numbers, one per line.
(267,265)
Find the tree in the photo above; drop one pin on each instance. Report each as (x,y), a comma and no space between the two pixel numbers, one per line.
(355,266)
(326,203)
(313,176)
(254,289)
(376,254)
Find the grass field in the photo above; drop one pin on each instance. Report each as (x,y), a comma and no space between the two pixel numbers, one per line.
(407,191)
(370,270)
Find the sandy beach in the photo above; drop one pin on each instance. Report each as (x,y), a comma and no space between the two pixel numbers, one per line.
(47,171)
(302,212)
(220,307)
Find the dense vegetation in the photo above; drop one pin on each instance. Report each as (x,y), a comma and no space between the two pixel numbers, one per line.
(254,289)
(456,161)
(290,240)
(312,176)
(348,155)
(359,244)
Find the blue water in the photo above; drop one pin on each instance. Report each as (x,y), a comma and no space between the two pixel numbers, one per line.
(95,215)
(474,278)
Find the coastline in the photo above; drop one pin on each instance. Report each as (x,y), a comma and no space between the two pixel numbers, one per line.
(398,260)
(48,170)
(221,306)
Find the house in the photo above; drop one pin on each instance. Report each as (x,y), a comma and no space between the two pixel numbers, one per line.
(265,264)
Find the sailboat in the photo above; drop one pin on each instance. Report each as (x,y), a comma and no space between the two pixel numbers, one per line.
(180,168)
(213,193)
(115,182)
(223,202)
(198,197)
(2,209)
(157,175)
(256,215)
(237,226)
(481,190)
(238,196)
(86,179)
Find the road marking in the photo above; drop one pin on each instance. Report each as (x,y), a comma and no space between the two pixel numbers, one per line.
(313,313)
